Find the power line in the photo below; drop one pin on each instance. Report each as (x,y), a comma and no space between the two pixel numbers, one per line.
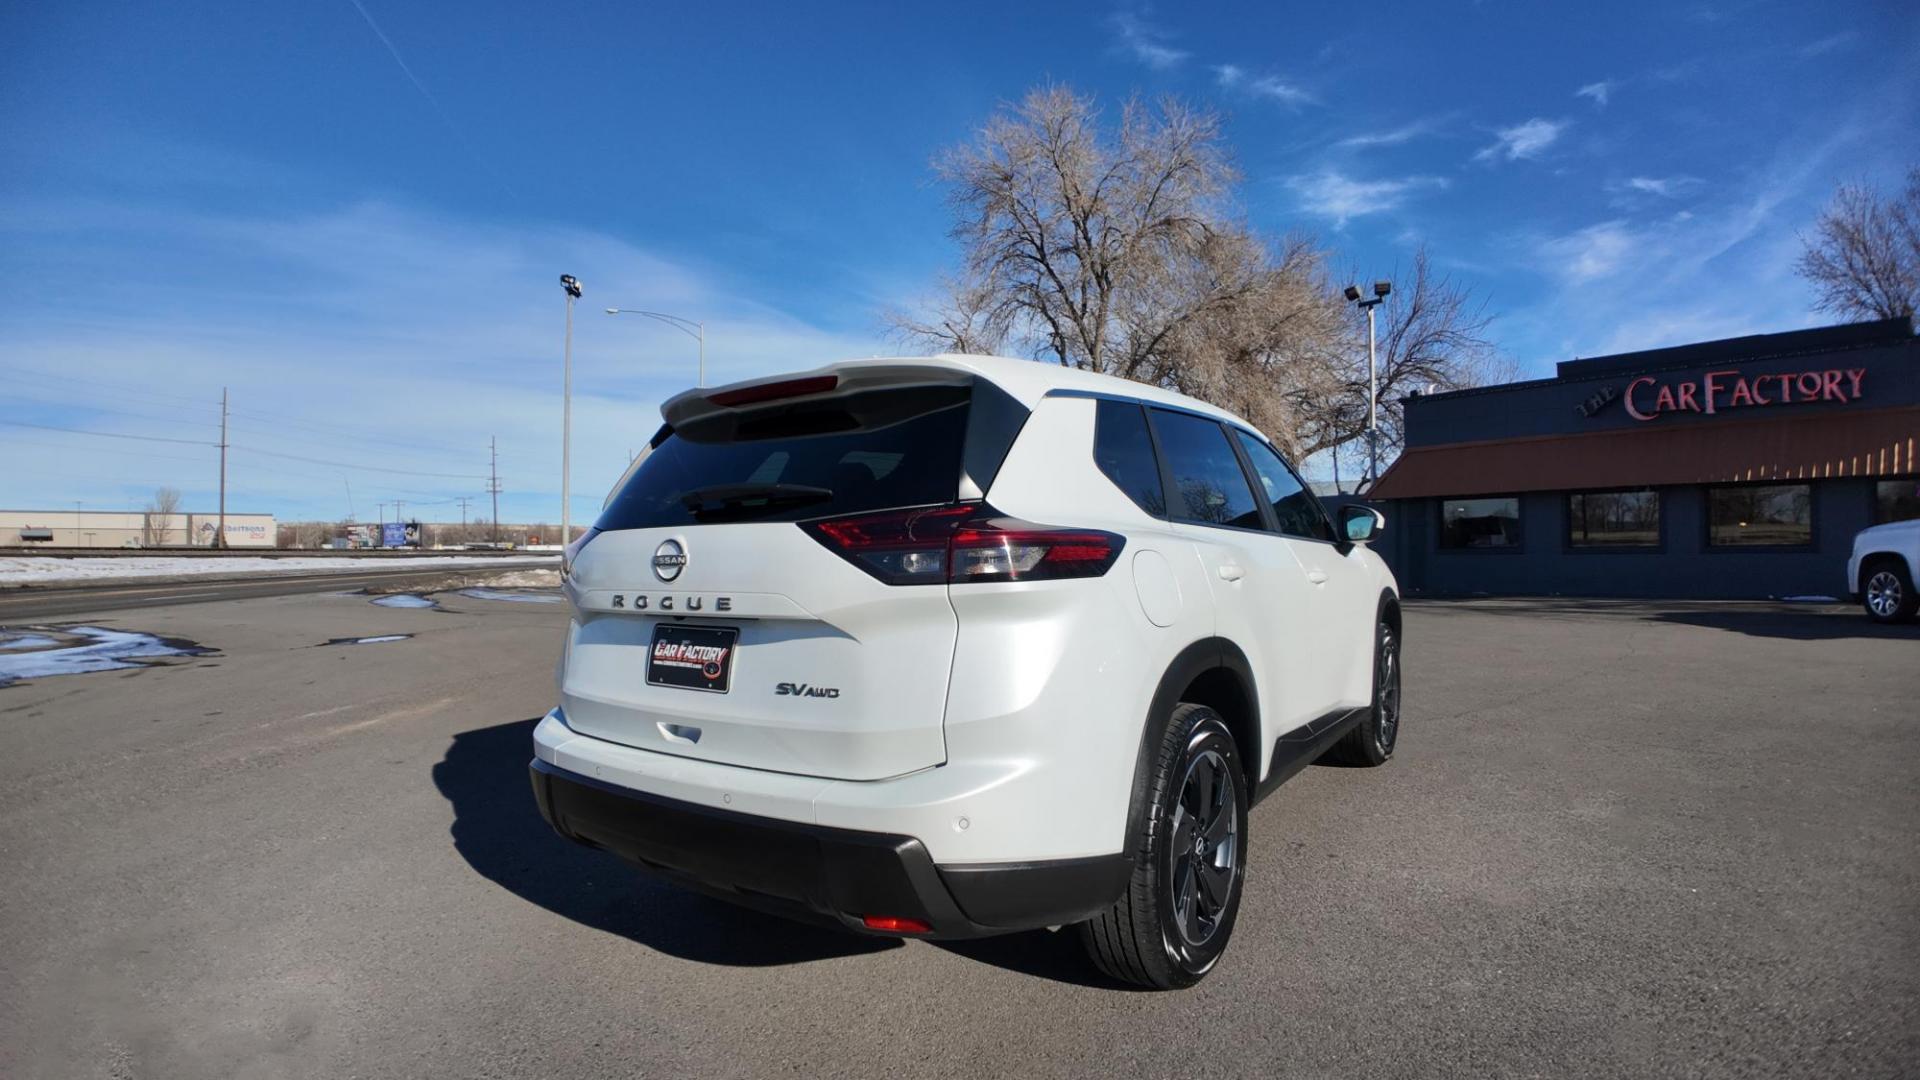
(135,415)
(130,392)
(113,435)
(118,389)
(146,455)
(364,468)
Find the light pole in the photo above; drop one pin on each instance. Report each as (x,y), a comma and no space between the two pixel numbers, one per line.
(572,285)
(1380,291)
(694,330)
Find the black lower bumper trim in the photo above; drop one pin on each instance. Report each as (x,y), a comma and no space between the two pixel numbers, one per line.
(819,873)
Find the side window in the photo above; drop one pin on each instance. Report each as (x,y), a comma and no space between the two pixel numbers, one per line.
(1299,513)
(1209,485)
(1124,451)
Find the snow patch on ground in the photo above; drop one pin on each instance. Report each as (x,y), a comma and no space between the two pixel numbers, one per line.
(405,600)
(42,569)
(77,650)
(517,597)
(526,579)
(377,639)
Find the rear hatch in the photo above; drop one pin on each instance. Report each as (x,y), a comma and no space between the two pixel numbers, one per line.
(710,624)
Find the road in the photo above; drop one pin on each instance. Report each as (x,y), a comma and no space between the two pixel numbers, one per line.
(22,604)
(1619,840)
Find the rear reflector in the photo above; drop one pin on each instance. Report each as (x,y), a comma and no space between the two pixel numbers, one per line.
(964,543)
(896,923)
(774,391)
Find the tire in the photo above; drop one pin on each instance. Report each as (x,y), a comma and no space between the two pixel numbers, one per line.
(1886,591)
(1371,742)
(1167,930)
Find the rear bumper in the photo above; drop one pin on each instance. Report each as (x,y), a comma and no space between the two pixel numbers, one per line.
(819,873)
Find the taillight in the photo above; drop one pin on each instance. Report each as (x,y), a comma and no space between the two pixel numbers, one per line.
(962,544)
(898,924)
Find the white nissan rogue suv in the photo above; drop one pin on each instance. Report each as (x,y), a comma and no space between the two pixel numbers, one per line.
(963,645)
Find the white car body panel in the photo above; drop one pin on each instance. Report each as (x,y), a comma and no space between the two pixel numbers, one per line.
(996,723)
(1901,538)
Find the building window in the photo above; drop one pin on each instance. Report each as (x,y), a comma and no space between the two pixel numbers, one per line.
(1479,524)
(1765,515)
(1896,500)
(1613,519)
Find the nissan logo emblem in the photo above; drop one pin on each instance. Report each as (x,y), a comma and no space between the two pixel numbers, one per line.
(669,559)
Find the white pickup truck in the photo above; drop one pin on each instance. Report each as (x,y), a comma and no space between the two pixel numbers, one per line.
(1881,570)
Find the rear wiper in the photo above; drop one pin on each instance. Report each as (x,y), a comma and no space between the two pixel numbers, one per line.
(751,496)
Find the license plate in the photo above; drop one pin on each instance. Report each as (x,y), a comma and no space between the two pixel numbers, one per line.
(692,657)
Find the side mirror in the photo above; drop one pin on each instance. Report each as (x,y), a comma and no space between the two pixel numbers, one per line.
(1360,524)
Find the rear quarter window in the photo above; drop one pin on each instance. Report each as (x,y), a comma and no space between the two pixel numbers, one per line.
(1124,451)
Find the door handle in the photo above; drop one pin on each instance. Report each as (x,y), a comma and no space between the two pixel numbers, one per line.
(1231,572)
(1317,576)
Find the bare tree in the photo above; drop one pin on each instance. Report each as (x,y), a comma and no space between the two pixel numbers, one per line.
(159,517)
(1864,256)
(1120,252)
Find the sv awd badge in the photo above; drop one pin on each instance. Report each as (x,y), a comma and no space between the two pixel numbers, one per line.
(788,689)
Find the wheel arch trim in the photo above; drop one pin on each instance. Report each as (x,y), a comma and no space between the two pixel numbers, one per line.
(1192,663)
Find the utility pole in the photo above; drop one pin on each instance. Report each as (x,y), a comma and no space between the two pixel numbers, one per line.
(493,482)
(349,484)
(220,537)
(463,501)
(398,507)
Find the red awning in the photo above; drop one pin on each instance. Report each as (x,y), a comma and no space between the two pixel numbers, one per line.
(1879,442)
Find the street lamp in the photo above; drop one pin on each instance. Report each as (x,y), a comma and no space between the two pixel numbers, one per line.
(695,330)
(1380,291)
(572,285)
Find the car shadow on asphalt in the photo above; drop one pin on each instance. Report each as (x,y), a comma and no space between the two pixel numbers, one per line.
(1041,954)
(1793,625)
(499,831)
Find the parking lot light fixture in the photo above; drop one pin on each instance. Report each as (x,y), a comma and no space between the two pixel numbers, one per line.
(1380,291)
(572,286)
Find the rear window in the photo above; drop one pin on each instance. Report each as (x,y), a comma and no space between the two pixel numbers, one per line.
(870,451)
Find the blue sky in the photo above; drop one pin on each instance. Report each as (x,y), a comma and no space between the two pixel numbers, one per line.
(358,231)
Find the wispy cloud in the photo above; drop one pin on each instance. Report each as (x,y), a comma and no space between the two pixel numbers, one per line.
(1145,43)
(1272,87)
(1528,139)
(432,102)
(1722,268)
(1332,194)
(1394,136)
(1596,251)
(1828,44)
(342,329)
(1664,186)
(1601,92)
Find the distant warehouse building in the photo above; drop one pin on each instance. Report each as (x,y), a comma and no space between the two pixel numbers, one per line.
(1737,468)
(130,528)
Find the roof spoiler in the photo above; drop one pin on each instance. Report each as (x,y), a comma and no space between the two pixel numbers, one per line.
(700,403)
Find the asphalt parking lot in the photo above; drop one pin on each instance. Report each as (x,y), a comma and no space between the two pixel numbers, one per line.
(1619,839)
